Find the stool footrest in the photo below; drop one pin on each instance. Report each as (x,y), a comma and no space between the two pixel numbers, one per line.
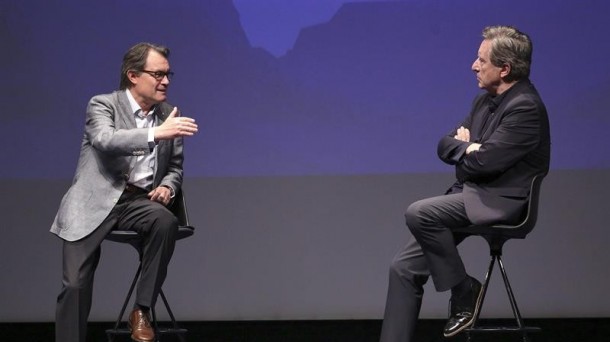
(160,331)
(501,329)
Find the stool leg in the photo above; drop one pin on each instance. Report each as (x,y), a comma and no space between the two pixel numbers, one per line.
(513,301)
(154,322)
(171,315)
(490,270)
(110,334)
(511,296)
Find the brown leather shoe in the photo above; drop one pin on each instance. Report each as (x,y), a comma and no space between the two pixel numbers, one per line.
(141,330)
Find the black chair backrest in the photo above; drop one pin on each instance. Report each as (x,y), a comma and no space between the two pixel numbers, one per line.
(178,207)
(531,214)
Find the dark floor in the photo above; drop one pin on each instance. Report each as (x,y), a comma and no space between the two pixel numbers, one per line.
(553,330)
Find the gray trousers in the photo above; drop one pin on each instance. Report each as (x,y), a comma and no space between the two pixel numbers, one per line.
(431,251)
(134,211)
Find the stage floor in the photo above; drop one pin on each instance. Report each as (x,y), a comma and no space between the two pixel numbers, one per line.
(553,330)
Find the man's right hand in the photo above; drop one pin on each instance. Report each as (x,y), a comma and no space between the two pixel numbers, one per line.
(175,126)
(462,134)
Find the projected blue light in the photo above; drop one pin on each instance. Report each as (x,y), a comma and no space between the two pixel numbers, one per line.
(363,87)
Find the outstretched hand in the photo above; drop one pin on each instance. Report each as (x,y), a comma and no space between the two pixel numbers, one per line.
(175,126)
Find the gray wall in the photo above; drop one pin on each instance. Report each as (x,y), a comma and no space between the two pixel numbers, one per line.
(315,247)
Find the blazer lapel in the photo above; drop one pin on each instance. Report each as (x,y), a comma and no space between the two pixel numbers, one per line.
(126,118)
(500,111)
(124,110)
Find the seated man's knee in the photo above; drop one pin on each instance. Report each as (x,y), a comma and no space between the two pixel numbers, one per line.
(396,268)
(166,222)
(171,223)
(413,215)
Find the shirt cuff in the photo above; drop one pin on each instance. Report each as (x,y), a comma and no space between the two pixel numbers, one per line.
(151,139)
(172,192)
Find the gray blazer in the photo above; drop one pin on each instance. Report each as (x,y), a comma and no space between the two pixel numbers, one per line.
(109,149)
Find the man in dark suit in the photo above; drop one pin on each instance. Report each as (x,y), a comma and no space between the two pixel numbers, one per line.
(129,169)
(497,150)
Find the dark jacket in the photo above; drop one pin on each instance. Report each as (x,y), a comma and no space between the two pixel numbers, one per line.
(513,131)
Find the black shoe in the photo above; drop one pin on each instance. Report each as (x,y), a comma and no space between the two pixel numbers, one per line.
(464,309)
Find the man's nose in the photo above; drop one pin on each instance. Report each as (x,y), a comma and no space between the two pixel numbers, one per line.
(474,66)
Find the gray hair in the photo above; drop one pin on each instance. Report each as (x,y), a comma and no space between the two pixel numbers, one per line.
(510,46)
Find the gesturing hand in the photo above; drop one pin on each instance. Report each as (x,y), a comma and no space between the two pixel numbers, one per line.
(175,126)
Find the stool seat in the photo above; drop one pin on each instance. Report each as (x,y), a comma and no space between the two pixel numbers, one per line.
(129,236)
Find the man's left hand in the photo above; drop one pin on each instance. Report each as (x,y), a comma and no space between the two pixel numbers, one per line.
(160,194)
(473,147)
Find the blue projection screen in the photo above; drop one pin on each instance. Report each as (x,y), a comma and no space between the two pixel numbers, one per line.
(319,121)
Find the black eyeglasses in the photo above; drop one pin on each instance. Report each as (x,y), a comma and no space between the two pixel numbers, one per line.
(159,75)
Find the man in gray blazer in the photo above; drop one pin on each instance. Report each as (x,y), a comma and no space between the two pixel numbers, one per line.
(129,169)
(497,150)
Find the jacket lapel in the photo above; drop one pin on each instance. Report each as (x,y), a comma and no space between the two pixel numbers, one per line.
(500,111)
(125,110)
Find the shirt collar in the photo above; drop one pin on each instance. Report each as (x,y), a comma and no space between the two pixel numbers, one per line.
(135,107)
(495,100)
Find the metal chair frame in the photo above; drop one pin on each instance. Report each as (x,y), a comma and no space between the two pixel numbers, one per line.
(496,236)
(184,230)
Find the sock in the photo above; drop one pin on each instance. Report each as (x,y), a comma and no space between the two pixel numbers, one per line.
(462,288)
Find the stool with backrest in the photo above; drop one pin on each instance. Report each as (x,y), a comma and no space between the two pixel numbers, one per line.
(496,236)
(178,207)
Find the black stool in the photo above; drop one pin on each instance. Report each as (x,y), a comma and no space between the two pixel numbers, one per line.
(496,236)
(124,236)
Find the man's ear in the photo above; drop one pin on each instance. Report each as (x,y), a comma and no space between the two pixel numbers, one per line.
(132,76)
(505,70)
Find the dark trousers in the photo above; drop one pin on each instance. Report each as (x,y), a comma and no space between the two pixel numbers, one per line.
(134,211)
(431,251)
